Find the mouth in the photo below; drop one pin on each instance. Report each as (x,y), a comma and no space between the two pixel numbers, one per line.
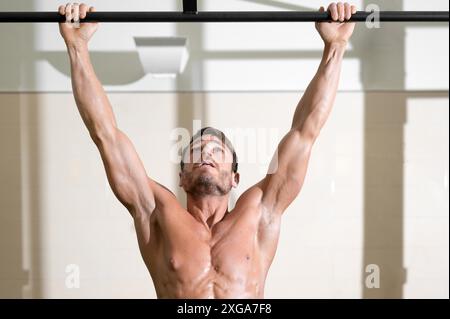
(206,164)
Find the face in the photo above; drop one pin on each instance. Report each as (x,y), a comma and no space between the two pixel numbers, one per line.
(208,168)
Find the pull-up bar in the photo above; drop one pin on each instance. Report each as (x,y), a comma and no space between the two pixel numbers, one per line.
(191,15)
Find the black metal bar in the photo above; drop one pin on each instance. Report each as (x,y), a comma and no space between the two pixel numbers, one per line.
(190,6)
(225,16)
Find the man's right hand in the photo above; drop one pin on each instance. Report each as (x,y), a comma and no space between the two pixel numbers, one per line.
(76,33)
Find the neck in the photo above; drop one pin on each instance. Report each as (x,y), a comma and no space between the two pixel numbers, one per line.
(207,209)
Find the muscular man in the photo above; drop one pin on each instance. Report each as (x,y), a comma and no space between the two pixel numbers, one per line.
(207,251)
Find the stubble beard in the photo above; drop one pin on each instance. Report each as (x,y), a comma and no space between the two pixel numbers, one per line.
(206,184)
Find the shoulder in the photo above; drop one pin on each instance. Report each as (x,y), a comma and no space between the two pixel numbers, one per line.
(252,200)
(252,196)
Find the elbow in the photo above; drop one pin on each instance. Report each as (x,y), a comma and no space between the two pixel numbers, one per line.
(103,134)
(312,126)
(310,135)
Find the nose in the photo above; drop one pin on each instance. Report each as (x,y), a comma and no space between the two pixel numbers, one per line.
(206,155)
(206,151)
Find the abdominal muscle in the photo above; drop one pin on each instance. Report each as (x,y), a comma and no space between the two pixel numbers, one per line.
(205,281)
(192,264)
(186,260)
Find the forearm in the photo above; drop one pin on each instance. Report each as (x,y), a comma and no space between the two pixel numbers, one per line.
(90,97)
(316,104)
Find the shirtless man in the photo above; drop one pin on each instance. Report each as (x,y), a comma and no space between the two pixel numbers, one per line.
(207,251)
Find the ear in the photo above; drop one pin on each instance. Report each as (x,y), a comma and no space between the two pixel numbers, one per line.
(235,180)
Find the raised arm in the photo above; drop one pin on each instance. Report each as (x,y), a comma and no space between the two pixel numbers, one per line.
(288,167)
(124,169)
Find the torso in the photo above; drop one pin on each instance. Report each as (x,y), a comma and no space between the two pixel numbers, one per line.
(186,260)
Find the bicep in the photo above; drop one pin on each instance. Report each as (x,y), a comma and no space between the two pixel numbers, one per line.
(287,171)
(126,173)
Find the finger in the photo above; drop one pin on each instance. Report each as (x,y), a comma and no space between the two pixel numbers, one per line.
(354,9)
(62,10)
(341,11)
(333,11)
(83,9)
(69,12)
(76,12)
(321,9)
(348,11)
(92,9)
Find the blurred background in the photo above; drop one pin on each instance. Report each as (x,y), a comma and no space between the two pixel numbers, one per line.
(376,197)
